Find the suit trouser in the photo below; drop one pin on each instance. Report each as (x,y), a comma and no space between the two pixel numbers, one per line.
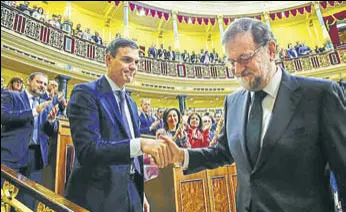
(33,172)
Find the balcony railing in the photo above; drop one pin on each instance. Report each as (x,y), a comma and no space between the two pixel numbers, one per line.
(47,200)
(25,25)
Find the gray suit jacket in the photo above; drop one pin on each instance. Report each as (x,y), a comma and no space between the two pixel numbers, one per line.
(307,130)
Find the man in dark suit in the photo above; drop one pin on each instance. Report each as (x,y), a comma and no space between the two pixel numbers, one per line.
(161,53)
(108,170)
(170,54)
(185,56)
(281,130)
(152,51)
(27,121)
(147,123)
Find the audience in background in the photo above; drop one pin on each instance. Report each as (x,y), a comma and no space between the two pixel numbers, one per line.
(39,14)
(173,127)
(96,38)
(15,84)
(196,134)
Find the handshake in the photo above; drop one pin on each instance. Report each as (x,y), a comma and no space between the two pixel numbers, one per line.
(164,151)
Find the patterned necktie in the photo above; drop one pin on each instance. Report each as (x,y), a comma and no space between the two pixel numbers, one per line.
(121,94)
(254,127)
(122,99)
(35,132)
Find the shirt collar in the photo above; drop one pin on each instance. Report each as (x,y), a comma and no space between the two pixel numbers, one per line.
(114,86)
(273,86)
(30,96)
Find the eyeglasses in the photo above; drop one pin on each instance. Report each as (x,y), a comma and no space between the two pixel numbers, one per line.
(246,59)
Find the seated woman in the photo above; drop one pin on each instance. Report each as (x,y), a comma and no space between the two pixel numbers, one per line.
(197,136)
(173,127)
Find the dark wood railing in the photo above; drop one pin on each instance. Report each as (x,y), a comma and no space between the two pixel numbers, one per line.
(47,200)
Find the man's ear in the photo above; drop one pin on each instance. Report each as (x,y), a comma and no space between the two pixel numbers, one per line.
(272,49)
(108,59)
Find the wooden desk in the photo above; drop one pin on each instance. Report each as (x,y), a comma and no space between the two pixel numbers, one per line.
(209,190)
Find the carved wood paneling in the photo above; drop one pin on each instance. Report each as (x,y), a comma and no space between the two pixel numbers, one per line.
(232,173)
(219,189)
(193,190)
(220,194)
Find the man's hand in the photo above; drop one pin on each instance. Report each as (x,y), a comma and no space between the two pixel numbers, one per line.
(154,125)
(158,149)
(52,114)
(177,154)
(42,106)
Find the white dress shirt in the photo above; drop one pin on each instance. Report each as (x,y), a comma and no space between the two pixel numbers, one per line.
(135,145)
(267,104)
(30,96)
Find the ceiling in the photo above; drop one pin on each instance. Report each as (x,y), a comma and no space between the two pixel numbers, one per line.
(223,7)
(111,12)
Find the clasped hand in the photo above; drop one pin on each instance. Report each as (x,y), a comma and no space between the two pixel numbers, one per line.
(164,151)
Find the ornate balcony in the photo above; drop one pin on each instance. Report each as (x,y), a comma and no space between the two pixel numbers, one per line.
(38,46)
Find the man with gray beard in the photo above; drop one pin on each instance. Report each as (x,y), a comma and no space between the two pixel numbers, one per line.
(281,130)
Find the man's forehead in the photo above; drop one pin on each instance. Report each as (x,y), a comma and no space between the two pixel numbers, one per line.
(128,52)
(241,43)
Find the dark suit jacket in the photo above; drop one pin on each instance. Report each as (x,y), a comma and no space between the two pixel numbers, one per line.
(100,179)
(145,124)
(307,130)
(152,51)
(17,128)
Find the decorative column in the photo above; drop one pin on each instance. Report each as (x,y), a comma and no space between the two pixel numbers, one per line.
(176,35)
(66,23)
(182,103)
(266,18)
(325,33)
(63,80)
(126,19)
(220,21)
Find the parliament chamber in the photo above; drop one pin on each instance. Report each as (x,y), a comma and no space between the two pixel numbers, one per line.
(71,56)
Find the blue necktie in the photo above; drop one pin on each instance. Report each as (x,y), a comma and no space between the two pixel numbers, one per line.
(121,94)
(35,132)
(254,127)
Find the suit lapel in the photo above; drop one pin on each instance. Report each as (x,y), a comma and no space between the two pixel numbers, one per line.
(26,100)
(244,101)
(283,111)
(108,99)
(133,110)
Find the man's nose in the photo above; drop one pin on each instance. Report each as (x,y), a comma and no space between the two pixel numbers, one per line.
(238,69)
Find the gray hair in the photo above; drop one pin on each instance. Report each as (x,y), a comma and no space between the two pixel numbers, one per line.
(113,47)
(33,75)
(260,32)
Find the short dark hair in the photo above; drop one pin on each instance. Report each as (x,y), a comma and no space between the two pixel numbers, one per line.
(33,75)
(165,117)
(200,120)
(117,43)
(16,79)
(259,30)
